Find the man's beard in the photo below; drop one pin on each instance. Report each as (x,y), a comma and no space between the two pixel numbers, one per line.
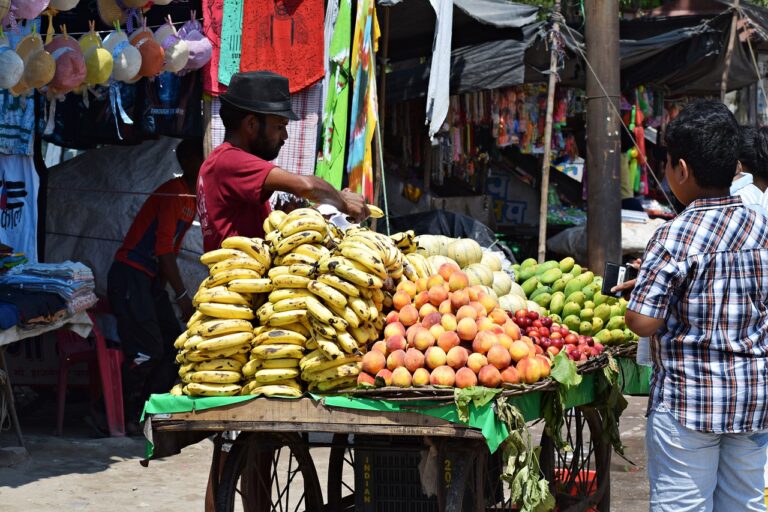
(260,148)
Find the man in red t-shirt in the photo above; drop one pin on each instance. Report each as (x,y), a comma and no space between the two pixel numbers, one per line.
(146,321)
(237,178)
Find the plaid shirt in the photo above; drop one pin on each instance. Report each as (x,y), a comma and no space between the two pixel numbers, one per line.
(706,274)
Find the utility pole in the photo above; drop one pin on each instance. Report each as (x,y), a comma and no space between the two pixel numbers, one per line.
(603,137)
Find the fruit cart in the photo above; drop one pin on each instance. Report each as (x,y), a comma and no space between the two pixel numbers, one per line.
(372,443)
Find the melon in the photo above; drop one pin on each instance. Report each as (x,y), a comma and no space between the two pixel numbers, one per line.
(479,274)
(516,289)
(428,245)
(491,260)
(437,260)
(512,303)
(490,291)
(502,283)
(465,252)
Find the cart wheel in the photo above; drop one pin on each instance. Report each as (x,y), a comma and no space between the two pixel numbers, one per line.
(580,480)
(270,473)
(341,491)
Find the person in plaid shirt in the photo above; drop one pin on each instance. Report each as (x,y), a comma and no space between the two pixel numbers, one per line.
(702,297)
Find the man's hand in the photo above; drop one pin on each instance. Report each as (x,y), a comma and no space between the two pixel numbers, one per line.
(355,205)
(187,310)
(627,286)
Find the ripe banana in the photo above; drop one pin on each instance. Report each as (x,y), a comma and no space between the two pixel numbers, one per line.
(179,343)
(314,251)
(213,257)
(250,367)
(224,363)
(253,247)
(304,223)
(358,277)
(366,258)
(288,293)
(336,384)
(186,368)
(273,351)
(238,263)
(298,327)
(280,363)
(226,276)
(280,337)
(215,377)
(360,334)
(290,281)
(343,370)
(360,307)
(376,212)
(176,390)
(267,375)
(324,315)
(287,317)
(321,329)
(340,284)
(197,316)
(264,312)
(350,319)
(290,304)
(262,285)
(294,258)
(329,348)
(226,342)
(347,343)
(192,342)
(301,269)
(206,389)
(275,217)
(220,295)
(288,244)
(317,362)
(328,293)
(225,310)
(276,391)
(297,214)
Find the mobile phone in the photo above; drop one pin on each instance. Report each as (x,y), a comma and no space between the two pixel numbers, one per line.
(615,275)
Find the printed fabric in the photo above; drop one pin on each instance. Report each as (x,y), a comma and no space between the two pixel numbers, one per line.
(299,152)
(19,186)
(705,273)
(212,25)
(364,104)
(231,40)
(17,122)
(330,165)
(285,37)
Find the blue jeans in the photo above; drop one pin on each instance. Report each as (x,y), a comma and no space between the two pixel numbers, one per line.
(691,471)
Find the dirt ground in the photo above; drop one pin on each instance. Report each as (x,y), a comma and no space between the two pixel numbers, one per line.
(80,473)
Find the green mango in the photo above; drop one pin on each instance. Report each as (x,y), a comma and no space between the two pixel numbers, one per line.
(546,266)
(585,328)
(597,324)
(516,271)
(558,285)
(543,299)
(571,308)
(586,314)
(572,286)
(530,262)
(566,264)
(539,291)
(616,322)
(623,305)
(603,336)
(598,280)
(556,318)
(588,304)
(590,290)
(576,270)
(550,276)
(577,297)
(557,303)
(567,277)
(603,312)
(617,336)
(529,285)
(599,298)
(526,273)
(630,336)
(616,311)
(572,322)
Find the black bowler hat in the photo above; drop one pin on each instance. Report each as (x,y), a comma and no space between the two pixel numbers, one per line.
(262,92)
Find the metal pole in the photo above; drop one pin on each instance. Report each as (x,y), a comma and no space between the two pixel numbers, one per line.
(381,97)
(729,50)
(544,201)
(603,141)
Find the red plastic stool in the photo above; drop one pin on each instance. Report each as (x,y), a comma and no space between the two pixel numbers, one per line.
(103,368)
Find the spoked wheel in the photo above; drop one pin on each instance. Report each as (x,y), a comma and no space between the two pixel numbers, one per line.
(269,473)
(579,478)
(341,475)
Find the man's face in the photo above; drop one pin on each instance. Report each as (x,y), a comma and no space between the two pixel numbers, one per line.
(268,133)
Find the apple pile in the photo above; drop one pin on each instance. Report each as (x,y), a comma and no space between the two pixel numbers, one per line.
(444,332)
(553,337)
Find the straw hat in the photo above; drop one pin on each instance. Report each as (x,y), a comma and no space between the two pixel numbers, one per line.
(39,66)
(126,57)
(98,61)
(70,64)
(29,9)
(200,47)
(5,7)
(64,5)
(11,64)
(152,54)
(176,49)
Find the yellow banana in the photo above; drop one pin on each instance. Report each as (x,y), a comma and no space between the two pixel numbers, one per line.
(339,284)
(216,377)
(213,328)
(290,281)
(280,337)
(366,258)
(274,390)
(336,384)
(328,293)
(240,356)
(192,342)
(213,257)
(322,329)
(299,213)
(279,271)
(176,390)
(205,389)
(226,276)
(301,269)
(264,312)
(250,367)
(313,251)
(311,344)
(186,368)
(324,315)
(375,211)
(228,341)
(304,223)
(290,304)
(360,334)
(253,247)
(346,314)
(343,370)
(287,317)
(276,217)
(280,363)
(294,258)
(267,225)
(272,351)
(225,310)
(197,316)
(272,237)
(329,348)
(291,383)
(262,285)
(267,375)
(288,293)
(327,264)
(358,277)
(317,363)
(238,264)
(360,307)
(288,244)
(220,295)
(223,363)
(347,343)
(183,337)
(298,327)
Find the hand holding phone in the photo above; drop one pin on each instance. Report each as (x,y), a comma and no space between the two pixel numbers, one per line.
(618,276)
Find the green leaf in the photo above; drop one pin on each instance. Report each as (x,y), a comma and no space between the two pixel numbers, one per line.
(564,371)
(476,395)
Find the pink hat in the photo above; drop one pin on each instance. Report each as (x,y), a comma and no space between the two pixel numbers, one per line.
(70,64)
(200,47)
(29,9)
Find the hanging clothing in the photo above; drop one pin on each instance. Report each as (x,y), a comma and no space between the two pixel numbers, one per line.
(285,37)
(212,21)
(231,37)
(331,14)
(330,166)
(19,185)
(440,71)
(17,122)
(299,152)
(217,126)
(364,104)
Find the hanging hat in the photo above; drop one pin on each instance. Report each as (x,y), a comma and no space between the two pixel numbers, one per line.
(152,54)
(175,49)
(29,9)
(98,61)
(111,11)
(70,64)
(127,59)
(39,66)
(64,5)
(200,47)
(11,64)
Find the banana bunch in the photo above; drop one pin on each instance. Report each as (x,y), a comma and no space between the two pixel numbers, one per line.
(405,241)
(416,266)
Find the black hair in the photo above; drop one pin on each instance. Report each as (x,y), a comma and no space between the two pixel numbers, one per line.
(747,150)
(232,116)
(760,168)
(189,152)
(706,135)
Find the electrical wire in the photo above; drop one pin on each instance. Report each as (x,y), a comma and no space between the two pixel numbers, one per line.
(120,192)
(100,32)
